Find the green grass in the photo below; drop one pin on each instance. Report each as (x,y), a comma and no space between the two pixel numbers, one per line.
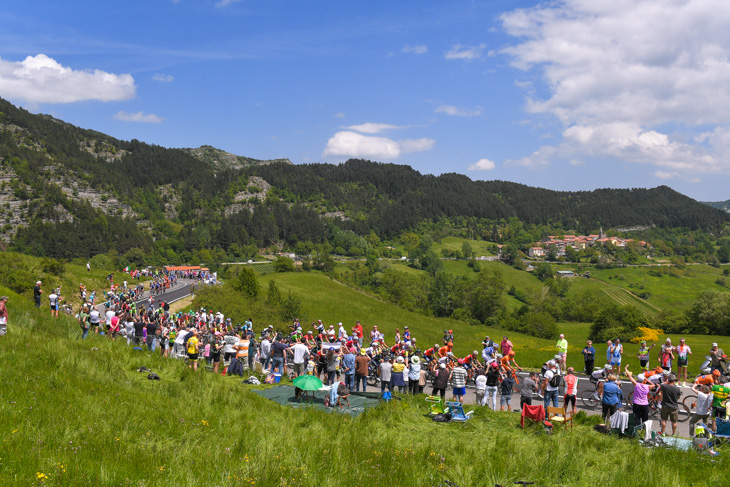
(78,413)
(479,247)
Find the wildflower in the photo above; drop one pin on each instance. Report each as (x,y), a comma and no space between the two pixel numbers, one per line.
(14,431)
(41,477)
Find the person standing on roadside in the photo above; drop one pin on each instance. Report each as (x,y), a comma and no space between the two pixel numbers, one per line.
(571,389)
(617,350)
(716,355)
(3,315)
(506,346)
(37,291)
(683,352)
(589,357)
(643,355)
(611,396)
(641,396)
(562,346)
(529,386)
(54,298)
(550,385)
(667,355)
(84,321)
(670,393)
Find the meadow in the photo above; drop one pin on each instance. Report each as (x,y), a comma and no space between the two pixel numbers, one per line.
(76,412)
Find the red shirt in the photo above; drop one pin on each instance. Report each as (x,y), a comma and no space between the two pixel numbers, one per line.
(358,330)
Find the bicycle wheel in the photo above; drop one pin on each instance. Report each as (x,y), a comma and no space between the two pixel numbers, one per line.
(683,412)
(589,399)
(690,402)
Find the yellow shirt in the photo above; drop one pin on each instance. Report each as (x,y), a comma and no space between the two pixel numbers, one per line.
(193,345)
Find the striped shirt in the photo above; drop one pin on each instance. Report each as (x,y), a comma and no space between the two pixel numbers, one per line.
(458,377)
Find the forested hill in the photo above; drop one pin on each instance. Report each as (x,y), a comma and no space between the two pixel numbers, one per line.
(70,192)
(390,198)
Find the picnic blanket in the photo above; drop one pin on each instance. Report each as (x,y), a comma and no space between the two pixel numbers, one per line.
(284,395)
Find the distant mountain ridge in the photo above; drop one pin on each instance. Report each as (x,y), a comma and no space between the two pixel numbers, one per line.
(67,191)
(720,205)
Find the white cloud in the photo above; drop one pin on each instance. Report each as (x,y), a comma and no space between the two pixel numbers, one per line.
(225,3)
(339,115)
(465,53)
(41,79)
(417,49)
(138,117)
(577,163)
(164,78)
(352,144)
(618,73)
(459,112)
(482,165)
(373,128)
(665,175)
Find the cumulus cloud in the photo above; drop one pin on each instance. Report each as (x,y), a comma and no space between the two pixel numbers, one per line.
(373,128)
(163,78)
(41,79)
(618,73)
(459,112)
(465,53)
(225,3)
(417,49)
(352,144)
(482,165)
(140,117)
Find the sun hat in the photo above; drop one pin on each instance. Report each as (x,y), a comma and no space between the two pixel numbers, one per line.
(363,352)
(399,360)
(442,366)
(714,344)
(415,360)
(640,377)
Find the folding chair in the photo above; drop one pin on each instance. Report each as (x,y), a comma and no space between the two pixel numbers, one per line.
(722,434)
(457,412)
(343,398)
(437,405)
(560,416)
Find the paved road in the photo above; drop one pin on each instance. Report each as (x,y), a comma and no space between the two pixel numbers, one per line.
(179,291)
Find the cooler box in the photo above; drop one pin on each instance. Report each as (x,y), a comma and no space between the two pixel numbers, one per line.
(277,378)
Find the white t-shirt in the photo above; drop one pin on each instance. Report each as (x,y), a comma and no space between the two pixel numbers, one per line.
(481,382)
(109,315)
(549,374)
(704,401)
(94,316)
(53,298)
(300,350)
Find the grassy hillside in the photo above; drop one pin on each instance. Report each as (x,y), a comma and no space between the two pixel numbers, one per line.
(76,412)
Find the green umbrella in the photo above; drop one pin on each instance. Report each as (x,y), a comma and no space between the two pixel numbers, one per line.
(308,383)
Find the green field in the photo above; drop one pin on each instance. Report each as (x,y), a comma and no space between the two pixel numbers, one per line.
(479,247)
(76,412)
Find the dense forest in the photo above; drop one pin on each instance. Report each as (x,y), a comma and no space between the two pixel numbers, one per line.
(175,207)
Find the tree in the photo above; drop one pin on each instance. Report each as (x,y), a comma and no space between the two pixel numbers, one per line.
(247,282)
(284,264)
(274,296)
(510,253)
(466,250)
(617,322)
(442,295)
(485,295)
(544,271)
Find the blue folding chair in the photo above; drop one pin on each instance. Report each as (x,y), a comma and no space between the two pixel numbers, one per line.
(457,411)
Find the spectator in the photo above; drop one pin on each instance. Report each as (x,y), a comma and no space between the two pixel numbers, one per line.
(3,315)
(611,396)
(702,409)
(641,397)
(458,381)
(333,362)
(670,394)
(506,388)
(529,386)
(362,369)
(386,369)
(667,355)
(562,346)
(492,385)
(414,374)
(589,357)
(278,356)
(550,384)
(683,352)
(617,350)
(348,366)
(716,356)
(441,381)
(396,377)
(643,355)
(37,294)
(299,354)
(571,389)
(54,299)
(506,346)
(265,352)
(481,388)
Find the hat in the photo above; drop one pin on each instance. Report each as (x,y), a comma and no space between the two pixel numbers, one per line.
(400,360)
(310,332)
(640,377)
(415,360)
(552,363)
(363,352)
(714,344)
(442,366)
(494,365)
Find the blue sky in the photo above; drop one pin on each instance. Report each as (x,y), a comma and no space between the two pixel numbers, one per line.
(569,95)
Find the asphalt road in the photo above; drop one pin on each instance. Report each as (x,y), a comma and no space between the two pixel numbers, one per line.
(179,291)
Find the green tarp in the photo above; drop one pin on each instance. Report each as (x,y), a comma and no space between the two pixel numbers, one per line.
(284,395)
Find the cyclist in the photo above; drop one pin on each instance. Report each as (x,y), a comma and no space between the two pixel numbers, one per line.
(510,358)
(598,376)
(471,363)
(708,379)
(446,349)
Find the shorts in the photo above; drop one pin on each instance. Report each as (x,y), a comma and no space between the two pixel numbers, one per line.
(670,414)
(54,307)
(569,399)
(299,368)
(459,391)
(643,363)
(615,364)
(682,362)
(193,357)
(505,399)
(94,324)
(216,358)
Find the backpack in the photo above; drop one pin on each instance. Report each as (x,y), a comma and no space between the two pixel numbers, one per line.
(557,380)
